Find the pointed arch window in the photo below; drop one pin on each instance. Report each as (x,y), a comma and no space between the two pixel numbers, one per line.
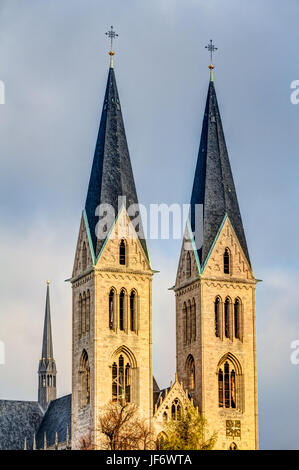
(122,252)
(111,308)
(193,320)
(133,311)
(189,313)
(83,318)
(176,409)
(122,310)
(188,265)
(226,261)
(80,314)
(87,323)
(84,379)
(185,322)
(217,317)
(227,305)
(84,256)
(190,369)
(121,380)
(229,384)
(237,319)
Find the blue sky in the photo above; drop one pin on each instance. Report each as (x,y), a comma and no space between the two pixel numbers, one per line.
(54,63)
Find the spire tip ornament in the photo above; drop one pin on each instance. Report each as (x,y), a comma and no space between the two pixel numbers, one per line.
(211,48)
(111,35)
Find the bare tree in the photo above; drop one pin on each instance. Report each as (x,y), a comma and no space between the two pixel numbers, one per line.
(123,427)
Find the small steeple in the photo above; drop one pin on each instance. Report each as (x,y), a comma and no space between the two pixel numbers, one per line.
(213,186)
(111,175)
(47,366)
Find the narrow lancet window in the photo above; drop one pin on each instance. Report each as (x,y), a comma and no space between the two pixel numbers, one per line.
(111,309)
(122,252)
(122,311)
(188,265)
(226,261)
(227,318)
(133,320)
(237,319)
(217,317)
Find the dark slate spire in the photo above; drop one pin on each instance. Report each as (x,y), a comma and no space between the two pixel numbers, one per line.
(47,366)
(47,348)
(111,174)
(213,185)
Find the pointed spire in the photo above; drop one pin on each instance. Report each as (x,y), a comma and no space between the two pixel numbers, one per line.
(111,176)
(47,366)
(47,347)
(213,186)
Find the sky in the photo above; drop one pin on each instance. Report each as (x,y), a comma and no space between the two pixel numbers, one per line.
(54,64)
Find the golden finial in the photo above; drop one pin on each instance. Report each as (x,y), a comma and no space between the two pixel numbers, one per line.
(211,48)
(48,282)
(112,35)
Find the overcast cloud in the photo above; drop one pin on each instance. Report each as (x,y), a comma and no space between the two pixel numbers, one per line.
(54,63)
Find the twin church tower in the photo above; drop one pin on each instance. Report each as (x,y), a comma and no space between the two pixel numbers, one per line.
(112,296)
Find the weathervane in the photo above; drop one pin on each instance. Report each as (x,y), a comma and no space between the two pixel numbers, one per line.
(111,35)
(211,48)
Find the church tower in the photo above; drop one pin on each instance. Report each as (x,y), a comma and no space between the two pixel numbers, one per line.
(111,285)
(47,365)
(215,296)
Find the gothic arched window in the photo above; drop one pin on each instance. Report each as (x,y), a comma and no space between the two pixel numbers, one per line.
(80,314)
(193,320)
(133,311)
(227,318)
(229,383)
(122,310)
(121,380)
(188,265)
(84,256)
(83,326)
(217,317)
(122,252)
(190,370)
(87,322)
(237,318)
(189,322)
(111,308)
(84,376)
(176,409)
(226,261)
(185,322)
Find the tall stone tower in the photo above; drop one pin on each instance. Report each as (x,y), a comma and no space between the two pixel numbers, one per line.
(215,297)
(47,365)
(112,286)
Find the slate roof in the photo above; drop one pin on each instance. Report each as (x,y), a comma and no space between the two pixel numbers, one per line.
(213,185)
(111,174)
(56,419)
(18,419)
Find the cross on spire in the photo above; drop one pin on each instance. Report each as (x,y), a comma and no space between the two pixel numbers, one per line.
(111,35)
(211,48)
